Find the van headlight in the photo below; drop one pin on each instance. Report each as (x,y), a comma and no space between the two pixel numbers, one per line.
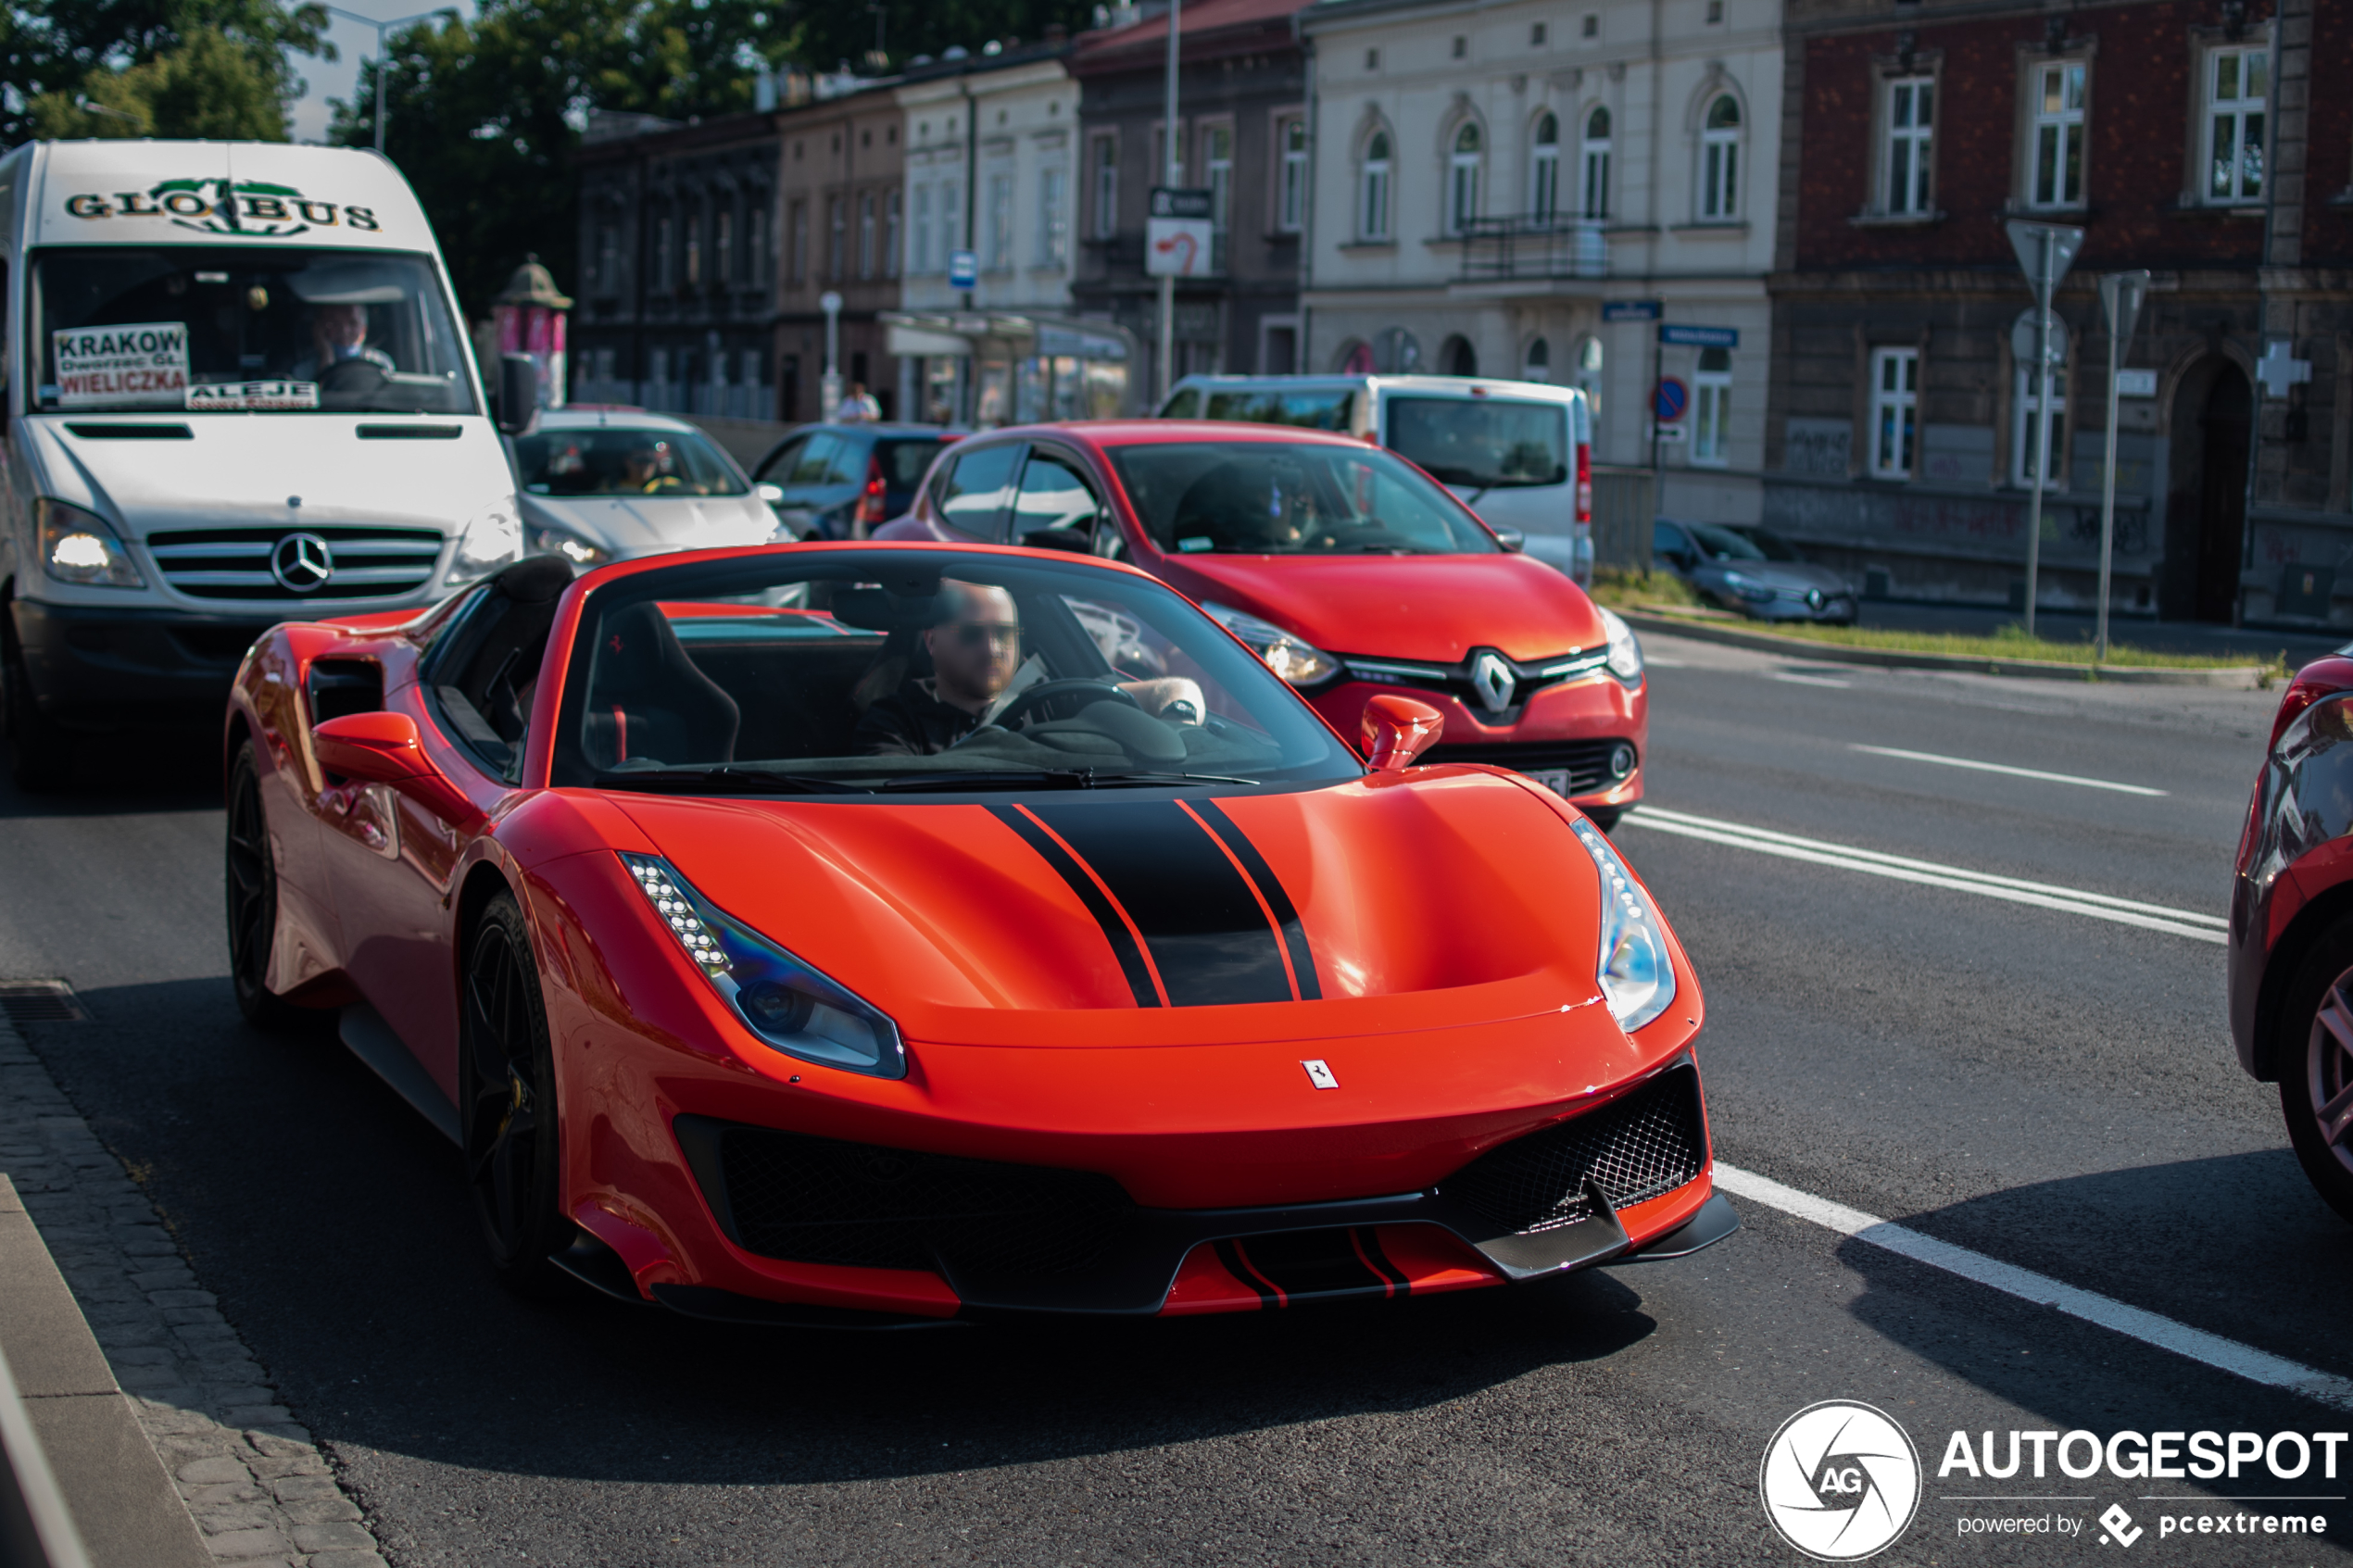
(492,540)
(77,547)
(1636,976)
(1625,653)
(1296,660)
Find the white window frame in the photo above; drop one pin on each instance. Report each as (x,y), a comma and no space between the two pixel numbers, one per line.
(868,232)
(2055,131)
(1377,187)
(1102,153)
(1719,162)
(1215,141)
(952,219)
(837,237)
(1053,215)
(1895,412)
(722,245)
(1462,176)
(1712,412)
(2238,189)
(919,232)
(1594,163)
(1000,221)
(2026,386)
(1290,179)
(1544,168)
(894,231)
(1907,145)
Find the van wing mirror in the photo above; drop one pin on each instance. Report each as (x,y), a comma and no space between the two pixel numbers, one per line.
(1512,539)
(517,393)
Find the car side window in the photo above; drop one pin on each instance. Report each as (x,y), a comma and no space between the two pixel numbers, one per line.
(1053,494)
(482,673)
(779,464)
(815,464)
(846,463)
(974,497)
(1186,405)
(1667,540)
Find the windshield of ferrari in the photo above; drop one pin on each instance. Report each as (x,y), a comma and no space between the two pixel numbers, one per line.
(1280,498)
(618,460)
(873,673)
(219,329)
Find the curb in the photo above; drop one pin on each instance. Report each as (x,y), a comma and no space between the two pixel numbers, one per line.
(2242,677)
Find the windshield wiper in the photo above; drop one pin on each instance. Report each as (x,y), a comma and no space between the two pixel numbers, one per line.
(1049,778)
(725,775)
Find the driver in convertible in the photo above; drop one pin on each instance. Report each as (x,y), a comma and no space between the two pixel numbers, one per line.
(976,653)
(338,333)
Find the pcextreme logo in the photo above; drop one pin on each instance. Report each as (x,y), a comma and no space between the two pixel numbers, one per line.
(252,208)
(1841,1481)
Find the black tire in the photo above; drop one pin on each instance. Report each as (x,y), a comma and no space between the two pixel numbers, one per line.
(506,1102)
(252,883)
(2314,1063)
(1606,818)
(41,750)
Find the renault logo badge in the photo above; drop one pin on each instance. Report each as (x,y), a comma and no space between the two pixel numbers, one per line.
(1492,676)
(302,562)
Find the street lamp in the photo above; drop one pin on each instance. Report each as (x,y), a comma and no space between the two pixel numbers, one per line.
(382,27)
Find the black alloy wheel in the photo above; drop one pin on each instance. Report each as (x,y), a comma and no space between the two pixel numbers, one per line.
(2313,1056)
(507,1084)
(41,750)
(252,883)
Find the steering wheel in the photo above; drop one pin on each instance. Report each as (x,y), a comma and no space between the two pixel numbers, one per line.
(352,375)
(1087,691)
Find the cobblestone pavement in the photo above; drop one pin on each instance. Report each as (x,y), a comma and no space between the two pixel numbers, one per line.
(258,1487)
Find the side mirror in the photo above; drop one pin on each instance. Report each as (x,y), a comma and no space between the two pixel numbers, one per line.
(517,393)
(772,494)
(374,748)
(1075,540)
(1512,539)
(1397,728)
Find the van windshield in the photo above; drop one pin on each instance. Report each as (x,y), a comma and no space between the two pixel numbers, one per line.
(1483,443)
(208,329)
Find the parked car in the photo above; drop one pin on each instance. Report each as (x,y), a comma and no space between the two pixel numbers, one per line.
(1520,453)
(728,1009)
(843,482)
(1753,571)
(2290,940)
(1350,572)
(602,484)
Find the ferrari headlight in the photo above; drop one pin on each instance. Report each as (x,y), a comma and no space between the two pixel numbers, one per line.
(1637,978)
(1298,661)
(492,540)
(1625,652)
(572,547)
(788,1005)
(77,547)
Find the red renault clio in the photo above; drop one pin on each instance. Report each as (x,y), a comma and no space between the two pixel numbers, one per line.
(1347,568)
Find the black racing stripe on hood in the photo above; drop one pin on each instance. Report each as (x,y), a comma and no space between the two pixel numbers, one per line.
(1302,956)
(1115,931)
(1205,929)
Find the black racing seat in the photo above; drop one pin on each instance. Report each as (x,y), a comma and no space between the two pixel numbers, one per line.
(648,702)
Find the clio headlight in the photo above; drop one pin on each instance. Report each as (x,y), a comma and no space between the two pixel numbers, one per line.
(77,547)
(789,1006)
(1625,653)
(1296,660)
(1637,978)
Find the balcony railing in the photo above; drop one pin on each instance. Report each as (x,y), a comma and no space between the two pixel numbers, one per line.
(1532,246)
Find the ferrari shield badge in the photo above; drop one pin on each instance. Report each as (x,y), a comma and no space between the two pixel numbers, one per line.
(1320,1075)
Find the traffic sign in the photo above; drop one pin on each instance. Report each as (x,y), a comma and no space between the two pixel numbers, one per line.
(1670,433)
(1170,202)
(1670,400)
(2026,339)
(2046,251)
(1700,337)
(963,268)
(1631,309)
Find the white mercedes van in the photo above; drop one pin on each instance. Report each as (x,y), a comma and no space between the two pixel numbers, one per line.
(238,392)
(1520,453)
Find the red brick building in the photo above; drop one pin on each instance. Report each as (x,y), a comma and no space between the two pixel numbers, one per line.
(1902,431)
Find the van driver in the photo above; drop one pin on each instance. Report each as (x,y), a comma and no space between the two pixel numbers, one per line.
(338,333)
(976,653)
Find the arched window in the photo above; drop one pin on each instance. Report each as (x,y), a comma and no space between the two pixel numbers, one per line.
(1372,206)
(1536,365)
(1462,180)
(1544,170)
(1719,160)
(1355,359)
(1593,200)
(1712,406)
(1458,357)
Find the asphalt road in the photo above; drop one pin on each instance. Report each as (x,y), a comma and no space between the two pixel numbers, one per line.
(2051,1090)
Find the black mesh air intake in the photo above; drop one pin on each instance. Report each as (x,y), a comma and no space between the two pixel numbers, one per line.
(1637,1146)
(817,1200)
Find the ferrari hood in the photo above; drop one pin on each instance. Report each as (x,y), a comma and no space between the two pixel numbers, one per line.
(645,525)
(1194,918)
(1434,611)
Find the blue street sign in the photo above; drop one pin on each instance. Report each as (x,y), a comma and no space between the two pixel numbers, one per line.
(1701,337)
(1670,401)
(1631,310)
(963,269)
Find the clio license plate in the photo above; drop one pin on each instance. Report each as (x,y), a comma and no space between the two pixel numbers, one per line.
(1554,779)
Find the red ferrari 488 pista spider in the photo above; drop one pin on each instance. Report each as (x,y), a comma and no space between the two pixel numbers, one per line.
(877,933)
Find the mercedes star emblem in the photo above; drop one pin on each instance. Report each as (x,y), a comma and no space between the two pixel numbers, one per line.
(302,562)
(1495,680)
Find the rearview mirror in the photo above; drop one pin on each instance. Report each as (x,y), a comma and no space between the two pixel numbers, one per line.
(375,748)
(1397,728)
(517,393)
(772,494)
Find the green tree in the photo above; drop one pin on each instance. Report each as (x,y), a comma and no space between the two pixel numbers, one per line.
(64,51)
(207,87)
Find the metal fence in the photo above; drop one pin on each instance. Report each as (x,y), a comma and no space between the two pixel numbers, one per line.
(1533,245)
(1625,503)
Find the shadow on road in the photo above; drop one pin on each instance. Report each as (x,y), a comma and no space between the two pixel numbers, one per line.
(172,771)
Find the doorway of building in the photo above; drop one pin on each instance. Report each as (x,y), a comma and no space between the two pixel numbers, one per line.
(2205,507)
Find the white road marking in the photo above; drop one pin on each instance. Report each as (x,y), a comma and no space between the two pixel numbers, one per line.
(2192,923)
(1810,680)
(2212,1350)
(2005,767)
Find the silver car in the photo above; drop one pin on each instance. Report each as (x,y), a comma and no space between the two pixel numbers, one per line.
(599,484)
(1753,571)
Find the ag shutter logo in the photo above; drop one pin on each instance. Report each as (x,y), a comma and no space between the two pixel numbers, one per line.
(253,207)
(1841,1481)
